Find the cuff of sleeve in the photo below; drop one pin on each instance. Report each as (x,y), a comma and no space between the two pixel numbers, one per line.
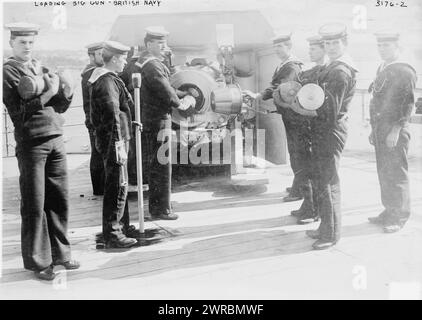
(321,114)
(33,104)
(265,96)
(402,122)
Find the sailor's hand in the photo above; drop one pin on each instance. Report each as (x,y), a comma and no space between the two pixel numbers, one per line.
(138,125)
(121,154)
(393,137)
(187,106)
(66,82)
(255,96)
(52,81)
(371,138)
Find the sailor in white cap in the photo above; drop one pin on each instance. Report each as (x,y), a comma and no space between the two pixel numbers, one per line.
(96,165)
(158,100)
(329,133)
(111,119)
(393,97)
(287,70)
(317,50)
(41,156)
(307,212)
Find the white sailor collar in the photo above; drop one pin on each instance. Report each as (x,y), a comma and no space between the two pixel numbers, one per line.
(98,72)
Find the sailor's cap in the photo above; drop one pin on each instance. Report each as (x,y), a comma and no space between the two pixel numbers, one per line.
(94,46)
(23,29)
(315,40)
(281,38)
(156,32)
(332,31)
(116,47)
(385,36)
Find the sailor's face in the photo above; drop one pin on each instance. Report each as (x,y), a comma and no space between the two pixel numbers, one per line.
(98,57)
(282,49)
(388,50)
(334,48)
(22,47)
(120,62)
(316,52)
(157,47)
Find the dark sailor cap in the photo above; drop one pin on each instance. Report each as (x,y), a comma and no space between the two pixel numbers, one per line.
(332,31)
(23,29)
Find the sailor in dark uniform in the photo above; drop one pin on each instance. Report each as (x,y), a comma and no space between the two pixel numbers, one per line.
(111,120)
(41,156)
(390,110)
(158,98)
(96,164)
(307,212)
(288,70)
(133,66)
(329,134)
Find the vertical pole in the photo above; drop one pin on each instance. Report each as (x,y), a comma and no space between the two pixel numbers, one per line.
(136,81)
(6,133)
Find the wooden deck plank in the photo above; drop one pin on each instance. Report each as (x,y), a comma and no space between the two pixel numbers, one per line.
(238,233)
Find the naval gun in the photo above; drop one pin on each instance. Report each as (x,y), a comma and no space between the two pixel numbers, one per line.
(214,59)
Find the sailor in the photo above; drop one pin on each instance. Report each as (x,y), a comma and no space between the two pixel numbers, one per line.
(158,98)
(287,70)
(307,212)
(390,109)
(111,119)
(41,155)
(134,66)
(329,133)
(96,165)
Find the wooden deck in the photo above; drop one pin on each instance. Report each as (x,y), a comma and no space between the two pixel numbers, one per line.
(231,241)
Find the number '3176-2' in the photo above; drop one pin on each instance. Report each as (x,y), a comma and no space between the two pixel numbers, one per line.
(381,3)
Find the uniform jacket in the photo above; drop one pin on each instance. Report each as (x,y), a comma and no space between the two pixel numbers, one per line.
(288,71)
(311,75)
(110,109)
(30,118)
(158,97)
(338,82)
(86,74)
(393,94)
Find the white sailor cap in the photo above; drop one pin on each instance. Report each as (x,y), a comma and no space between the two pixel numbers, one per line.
(281,38)
(116,47)
(94,46)
(315,40)
(156,32)
(23,29)
(332,31)
(387,36)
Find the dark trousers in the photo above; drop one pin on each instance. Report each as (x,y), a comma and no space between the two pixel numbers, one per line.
(327,146)
(44,202)
(298,145)
(304,162)
(131,161)
(392,167)
(158,147)
(115,205)
(96,167)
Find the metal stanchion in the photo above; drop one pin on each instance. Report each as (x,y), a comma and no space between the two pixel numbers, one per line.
(148,236)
